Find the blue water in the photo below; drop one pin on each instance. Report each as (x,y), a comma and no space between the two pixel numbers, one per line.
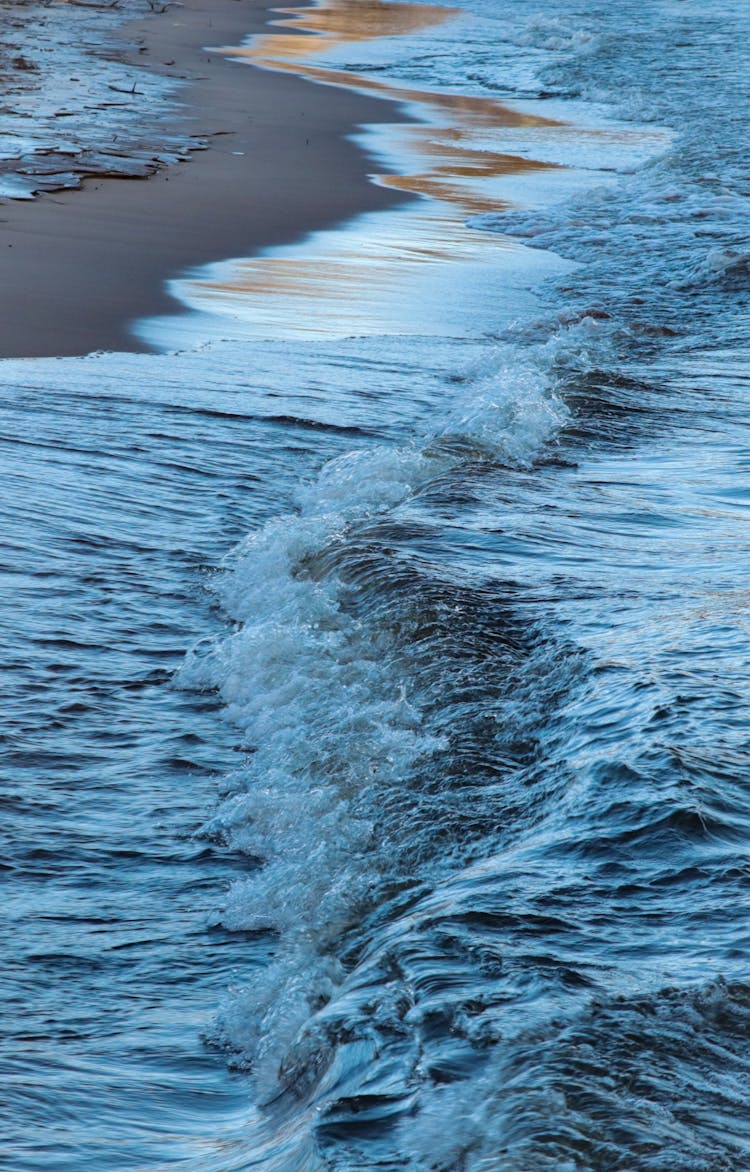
(376,741)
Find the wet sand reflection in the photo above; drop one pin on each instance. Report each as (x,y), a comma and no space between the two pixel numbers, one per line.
(446,156)
(342,21)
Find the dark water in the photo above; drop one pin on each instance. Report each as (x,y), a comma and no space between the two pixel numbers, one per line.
(113,504)
(483,660)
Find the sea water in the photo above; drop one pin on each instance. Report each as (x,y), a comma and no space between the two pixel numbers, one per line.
(376,739)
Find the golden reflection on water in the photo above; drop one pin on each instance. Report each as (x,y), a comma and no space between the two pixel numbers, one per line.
(339,22)
(393,274)
(342,21)
(450,162)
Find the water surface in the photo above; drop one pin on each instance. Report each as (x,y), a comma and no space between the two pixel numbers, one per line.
(378,669)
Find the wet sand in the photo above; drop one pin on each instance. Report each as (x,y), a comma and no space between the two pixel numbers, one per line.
(79,266)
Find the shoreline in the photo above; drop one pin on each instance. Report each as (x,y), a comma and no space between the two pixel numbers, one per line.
(79,267)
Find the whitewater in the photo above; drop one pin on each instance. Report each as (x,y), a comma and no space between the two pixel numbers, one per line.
(378,650)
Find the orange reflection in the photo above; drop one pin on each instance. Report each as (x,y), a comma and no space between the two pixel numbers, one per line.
(349,21)
(450,166)
(474,111)
(340,22)
(389,275)
(354,278)
(457,174)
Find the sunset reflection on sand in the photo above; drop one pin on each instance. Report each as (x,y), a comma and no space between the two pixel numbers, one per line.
(447,156)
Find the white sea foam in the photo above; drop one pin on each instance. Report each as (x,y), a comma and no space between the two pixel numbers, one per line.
(325,705)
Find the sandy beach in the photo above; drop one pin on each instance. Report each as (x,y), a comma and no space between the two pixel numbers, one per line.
(79,266)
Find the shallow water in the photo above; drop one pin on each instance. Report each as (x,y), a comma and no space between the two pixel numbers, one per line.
(75,104)
(452,622)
